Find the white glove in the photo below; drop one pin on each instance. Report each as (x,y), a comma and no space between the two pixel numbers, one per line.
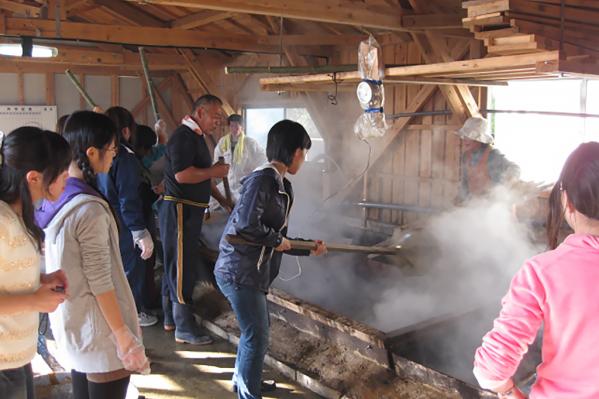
(131,351)
(145,243)
(160,128)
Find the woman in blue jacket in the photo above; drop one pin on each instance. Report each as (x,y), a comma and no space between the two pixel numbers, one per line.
(121,187)
(245,272)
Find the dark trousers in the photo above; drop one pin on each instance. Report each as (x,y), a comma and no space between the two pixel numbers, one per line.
(180,228)
(84,389)
(135,267)
(17,383)
(251,311)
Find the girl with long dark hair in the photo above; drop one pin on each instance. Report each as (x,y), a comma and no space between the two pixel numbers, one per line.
(121,186)
(556,289)
(96,328)
(33,166)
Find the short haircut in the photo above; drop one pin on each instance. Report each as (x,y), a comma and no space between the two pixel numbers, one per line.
(145,138)
(234,118)
(284,138)
(205,100)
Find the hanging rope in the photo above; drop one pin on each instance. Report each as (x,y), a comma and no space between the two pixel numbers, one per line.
(333,97)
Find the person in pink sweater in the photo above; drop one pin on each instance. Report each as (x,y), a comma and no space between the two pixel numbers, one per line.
(558,289)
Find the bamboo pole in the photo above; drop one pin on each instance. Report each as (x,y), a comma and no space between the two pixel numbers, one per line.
(80,88)
(144,65)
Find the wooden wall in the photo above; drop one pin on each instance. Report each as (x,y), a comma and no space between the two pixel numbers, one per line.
(421,167)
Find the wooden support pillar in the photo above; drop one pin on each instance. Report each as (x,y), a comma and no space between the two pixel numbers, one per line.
(21,88)
(50,91)
(115,92)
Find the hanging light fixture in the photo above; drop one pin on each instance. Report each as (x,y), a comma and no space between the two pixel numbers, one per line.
(27,49)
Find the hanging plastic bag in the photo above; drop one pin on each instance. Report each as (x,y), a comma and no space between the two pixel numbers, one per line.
(370,91)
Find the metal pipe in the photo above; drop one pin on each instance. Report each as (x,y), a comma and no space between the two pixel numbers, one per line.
(546,113)
(397,207)
(144,66)
(421,113)
(287,69)
(80,88)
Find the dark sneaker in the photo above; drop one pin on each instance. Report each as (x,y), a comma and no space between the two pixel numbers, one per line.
(266,386)
(193,339)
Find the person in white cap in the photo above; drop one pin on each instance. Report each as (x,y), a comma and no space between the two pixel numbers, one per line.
(483,166)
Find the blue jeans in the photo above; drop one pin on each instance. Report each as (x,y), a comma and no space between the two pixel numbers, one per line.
(17,383)
(251,311)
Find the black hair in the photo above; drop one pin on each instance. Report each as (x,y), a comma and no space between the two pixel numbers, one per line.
(122,119)
(580,180)
(205,100)
(145,138)
(23,150)
(284,138)
(85,129)
(234,118)
(60,123)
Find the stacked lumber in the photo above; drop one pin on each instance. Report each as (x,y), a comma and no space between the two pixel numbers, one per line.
(527,26)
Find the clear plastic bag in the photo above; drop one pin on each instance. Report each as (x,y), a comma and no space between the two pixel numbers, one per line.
(370,91)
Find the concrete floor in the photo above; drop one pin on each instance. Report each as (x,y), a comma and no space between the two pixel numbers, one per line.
(179,371)
(184,371)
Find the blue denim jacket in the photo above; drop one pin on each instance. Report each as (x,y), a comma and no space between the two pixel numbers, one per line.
(259,216)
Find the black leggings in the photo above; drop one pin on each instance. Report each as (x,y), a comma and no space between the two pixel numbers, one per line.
(84,389)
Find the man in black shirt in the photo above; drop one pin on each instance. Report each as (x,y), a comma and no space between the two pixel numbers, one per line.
(188,177)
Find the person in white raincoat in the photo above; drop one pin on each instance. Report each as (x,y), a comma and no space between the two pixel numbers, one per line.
(243,153)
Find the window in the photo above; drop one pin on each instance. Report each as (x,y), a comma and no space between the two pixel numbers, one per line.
(540,144)
(258,122)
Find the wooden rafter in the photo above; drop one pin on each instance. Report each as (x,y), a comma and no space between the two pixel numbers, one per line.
(344,12)
(169,37)
(204,84)
(198,19)
(129,12)
(326,11)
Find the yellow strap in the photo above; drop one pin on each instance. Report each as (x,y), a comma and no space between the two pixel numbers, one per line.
(185,201)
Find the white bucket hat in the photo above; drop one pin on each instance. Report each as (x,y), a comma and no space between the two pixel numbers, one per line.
(476,129)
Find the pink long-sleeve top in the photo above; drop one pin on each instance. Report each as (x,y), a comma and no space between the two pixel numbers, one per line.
(559,288)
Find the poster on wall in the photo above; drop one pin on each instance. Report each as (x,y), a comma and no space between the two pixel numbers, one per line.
(14,116)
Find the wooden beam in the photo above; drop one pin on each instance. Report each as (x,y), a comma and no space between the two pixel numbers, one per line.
(131,13)
(146,36)
(433,49)
(200,19)
(443,69)
(115,94)
(169,37)
(335,11)
(50,89)
(71,56)
(433,21)
(21,8)
(188,57)
(11,66)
